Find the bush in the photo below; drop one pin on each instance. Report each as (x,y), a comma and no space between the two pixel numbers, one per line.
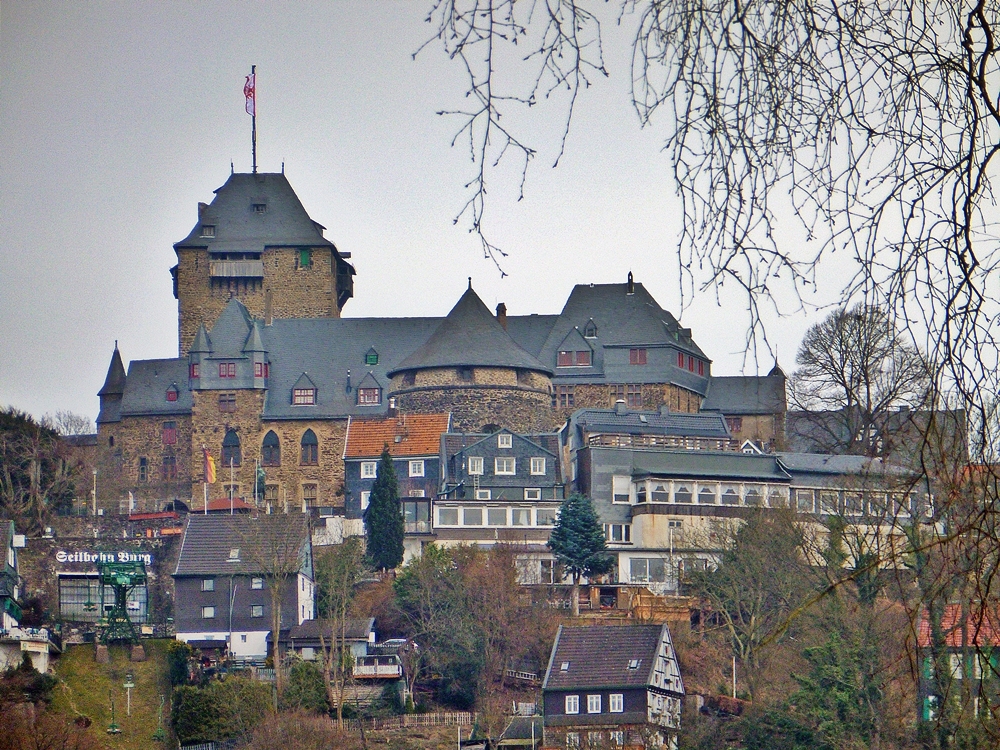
(219,710)
(178,657)
(25,683)
(298,730)
(305,690)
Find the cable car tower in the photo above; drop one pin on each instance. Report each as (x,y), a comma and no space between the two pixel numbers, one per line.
(121,578)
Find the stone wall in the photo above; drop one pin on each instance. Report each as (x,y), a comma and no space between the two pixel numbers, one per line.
(328,474)
(118,464)
(472,406)
(654,395)
(295,292)
(767,430)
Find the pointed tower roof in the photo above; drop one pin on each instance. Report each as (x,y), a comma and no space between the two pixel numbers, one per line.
(470,337)
(254,342)
(114,383)
(202,343)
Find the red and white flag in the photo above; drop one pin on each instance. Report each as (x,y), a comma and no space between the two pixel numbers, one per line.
(250,92)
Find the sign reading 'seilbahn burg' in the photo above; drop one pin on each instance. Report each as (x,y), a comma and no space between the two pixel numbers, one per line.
(122,556)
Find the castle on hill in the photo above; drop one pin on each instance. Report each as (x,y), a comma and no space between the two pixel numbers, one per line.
(269,374)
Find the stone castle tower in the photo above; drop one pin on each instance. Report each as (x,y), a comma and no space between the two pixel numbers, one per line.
(255,242)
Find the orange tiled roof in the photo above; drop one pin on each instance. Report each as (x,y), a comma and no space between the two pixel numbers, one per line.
(419,435)
(982,629)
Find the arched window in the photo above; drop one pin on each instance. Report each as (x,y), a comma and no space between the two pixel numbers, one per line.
(270,454)
(310,449)
(231,453)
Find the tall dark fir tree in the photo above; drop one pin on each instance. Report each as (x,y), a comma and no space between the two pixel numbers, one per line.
(578,543)
(384,518)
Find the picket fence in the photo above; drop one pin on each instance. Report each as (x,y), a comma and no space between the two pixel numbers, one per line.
(406,721)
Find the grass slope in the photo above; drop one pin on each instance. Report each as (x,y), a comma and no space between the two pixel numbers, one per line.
(84,687)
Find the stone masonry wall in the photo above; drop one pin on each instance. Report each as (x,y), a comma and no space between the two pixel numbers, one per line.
(328,474)
(472,406)
(654,395)
(295,292)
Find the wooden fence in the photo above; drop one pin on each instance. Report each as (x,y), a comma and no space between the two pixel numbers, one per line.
(443,719)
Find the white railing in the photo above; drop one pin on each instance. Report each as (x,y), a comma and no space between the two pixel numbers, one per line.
(240,269)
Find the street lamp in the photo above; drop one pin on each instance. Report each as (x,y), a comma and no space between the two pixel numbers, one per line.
(93,492)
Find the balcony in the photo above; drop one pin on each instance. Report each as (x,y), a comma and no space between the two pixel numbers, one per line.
(417,527)
(236,269)
(662,441)
(378,667)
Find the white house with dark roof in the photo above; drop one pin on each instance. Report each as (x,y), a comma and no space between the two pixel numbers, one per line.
(221,583)
(612,685)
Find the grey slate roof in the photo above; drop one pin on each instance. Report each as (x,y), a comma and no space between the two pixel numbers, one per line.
(208,540)
(708,464)
(741,395)
(232,331)
(114,383)
(470,336)
(679,424)
(238,228)
(147,384)
(599,656)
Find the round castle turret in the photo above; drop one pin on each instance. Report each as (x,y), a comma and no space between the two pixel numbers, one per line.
(471,367)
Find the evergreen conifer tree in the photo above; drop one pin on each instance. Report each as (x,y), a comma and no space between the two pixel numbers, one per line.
(384,518)
(578,543)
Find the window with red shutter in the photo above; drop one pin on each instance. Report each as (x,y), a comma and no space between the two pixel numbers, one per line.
(637,356)
(583,359)
(565,359)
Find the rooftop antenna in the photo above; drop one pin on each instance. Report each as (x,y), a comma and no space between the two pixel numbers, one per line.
(232,168)
(282,166)
(250,92)
(470,282)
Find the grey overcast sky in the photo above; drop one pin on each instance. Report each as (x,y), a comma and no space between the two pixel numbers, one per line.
(117,118)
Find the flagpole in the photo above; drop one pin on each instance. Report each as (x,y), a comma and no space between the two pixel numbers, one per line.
(206,498)
(253,73)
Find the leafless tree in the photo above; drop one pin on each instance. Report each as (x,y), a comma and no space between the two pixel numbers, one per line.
(67,423)
(276,547)
(854,370)
(339,569)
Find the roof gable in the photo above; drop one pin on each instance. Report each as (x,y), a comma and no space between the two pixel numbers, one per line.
(405,435)
(209,541)
(470,336)
(231,330)
(601,656)
(490,442)
(251,212)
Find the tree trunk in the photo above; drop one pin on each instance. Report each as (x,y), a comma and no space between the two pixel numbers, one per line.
(576,595)
(279,681)
(328,656)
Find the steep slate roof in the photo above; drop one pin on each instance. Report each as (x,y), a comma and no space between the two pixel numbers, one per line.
(231,331)
(470,336)
(114,383)
(746,394)
(680,424)
(147,384)
(208,540)
(420,435)
(708,464)
(238,228)
(599,655)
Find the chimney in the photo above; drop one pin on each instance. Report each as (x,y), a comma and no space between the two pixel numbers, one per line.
(502,315)
(268,318)
(620,407)
(630,287)
(392,406)
(202,207)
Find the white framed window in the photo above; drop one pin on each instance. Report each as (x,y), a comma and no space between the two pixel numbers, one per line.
(256,610)
(532,493)
(475,464)
(593,704)
(417,468)
(369,469)
(505,465)
(208,584)
(505,440)
(616,704)
(496,516)
(618,533)
(207,613)
(520,516)
(366,496)
(256,583)
(538,465)
(447,516)
(620,487)
(483,494)
(472,516)
(572,704)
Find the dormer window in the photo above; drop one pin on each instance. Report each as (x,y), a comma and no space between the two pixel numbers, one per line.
(590,330)
(260,369)
(171,393)
(574,359)
(227,369)
(304,396)
(371,357)
(208,230)
(637,356)
(369,396)
(194,370)
(505,440)
(634,663)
